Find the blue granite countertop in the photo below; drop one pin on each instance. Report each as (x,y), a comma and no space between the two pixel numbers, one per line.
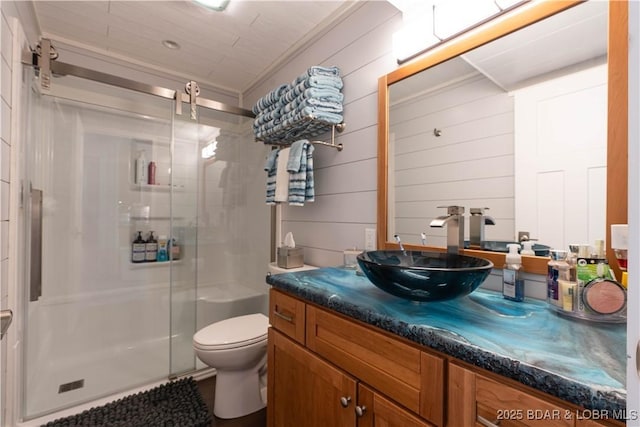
(580,362)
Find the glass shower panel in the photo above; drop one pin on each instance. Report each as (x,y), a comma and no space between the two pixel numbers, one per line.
(211,224)
(233,221)
(98,323)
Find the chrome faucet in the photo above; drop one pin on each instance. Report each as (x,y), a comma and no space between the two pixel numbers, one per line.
(477,221)
(454,221)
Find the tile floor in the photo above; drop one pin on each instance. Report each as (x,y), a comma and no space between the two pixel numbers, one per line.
(207,389)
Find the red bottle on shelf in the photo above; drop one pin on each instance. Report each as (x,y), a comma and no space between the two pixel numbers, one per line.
(152,173)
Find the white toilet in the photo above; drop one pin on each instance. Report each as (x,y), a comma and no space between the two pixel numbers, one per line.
(237,349)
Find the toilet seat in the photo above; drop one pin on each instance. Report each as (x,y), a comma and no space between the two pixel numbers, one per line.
(232,333)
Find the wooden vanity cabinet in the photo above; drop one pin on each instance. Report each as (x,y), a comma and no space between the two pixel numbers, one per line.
(328,370)
(335,383)
(304,390)
(413,378)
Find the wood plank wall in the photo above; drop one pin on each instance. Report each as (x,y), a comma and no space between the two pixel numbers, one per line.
(345,182)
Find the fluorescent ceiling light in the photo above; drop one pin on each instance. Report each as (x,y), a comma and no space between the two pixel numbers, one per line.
(217,5)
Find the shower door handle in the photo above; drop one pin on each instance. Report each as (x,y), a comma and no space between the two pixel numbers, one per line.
(35,287)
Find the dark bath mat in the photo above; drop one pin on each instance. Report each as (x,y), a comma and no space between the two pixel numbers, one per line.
(175,404)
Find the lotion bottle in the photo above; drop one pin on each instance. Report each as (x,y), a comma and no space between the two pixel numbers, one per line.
(512,283)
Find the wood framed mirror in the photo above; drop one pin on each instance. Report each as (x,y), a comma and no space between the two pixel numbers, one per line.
(614,129)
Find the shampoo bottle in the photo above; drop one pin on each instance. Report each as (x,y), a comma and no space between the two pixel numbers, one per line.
(141,169)
(152,173)
(175,250)
(151,248)
(163,254)
(512,283)
(138,249)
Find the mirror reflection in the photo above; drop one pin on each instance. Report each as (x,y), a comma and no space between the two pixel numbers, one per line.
(516,128)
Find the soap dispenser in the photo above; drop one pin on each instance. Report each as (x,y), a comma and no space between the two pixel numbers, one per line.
(138,249)
(512,283)
(527,248)
(151,248)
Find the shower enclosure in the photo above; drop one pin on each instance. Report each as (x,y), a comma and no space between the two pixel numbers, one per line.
(94,322)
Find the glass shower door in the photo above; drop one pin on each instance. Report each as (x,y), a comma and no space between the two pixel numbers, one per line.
(95,321)
(183,239)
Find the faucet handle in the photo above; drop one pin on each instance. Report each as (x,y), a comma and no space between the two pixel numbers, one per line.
(453,210)
(478,211)
(524,236)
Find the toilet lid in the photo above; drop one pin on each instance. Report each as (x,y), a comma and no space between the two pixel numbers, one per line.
(234,332)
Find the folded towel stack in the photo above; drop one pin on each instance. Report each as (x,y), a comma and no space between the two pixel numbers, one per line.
(306,107)
(290,174)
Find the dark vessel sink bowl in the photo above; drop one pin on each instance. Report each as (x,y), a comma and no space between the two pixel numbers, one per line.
(501,246)
(424,276)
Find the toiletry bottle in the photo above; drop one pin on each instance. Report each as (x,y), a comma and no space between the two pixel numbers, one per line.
(527,248)
(558,269)
(141,169)
(175,249)
(152,173)
(163,255)
(138,249)
(512,283)
(151,248)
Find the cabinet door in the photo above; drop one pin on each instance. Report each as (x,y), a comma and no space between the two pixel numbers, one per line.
(304,390)
(407,375)
(373,410)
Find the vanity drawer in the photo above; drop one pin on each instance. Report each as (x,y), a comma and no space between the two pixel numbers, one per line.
(509,406)
(412,378)
(287,315)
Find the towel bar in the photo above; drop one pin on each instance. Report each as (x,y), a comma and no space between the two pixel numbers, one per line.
(334,127)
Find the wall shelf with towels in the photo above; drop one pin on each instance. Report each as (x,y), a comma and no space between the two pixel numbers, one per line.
(309,106)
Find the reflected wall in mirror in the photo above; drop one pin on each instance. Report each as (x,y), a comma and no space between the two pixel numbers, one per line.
(518,125)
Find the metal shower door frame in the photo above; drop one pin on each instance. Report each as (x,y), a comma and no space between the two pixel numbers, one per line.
(48,65)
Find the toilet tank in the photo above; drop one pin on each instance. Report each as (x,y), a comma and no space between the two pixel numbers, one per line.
(221,301)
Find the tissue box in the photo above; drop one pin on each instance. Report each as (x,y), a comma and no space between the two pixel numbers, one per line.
(290,257)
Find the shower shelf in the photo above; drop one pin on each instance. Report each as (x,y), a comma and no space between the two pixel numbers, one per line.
(157,187)
(137,265)
(157,218)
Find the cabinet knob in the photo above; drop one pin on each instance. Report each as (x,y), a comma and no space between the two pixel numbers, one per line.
(360,410)
(344,401)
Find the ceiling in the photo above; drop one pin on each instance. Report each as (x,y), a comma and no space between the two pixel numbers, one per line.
(231,49)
